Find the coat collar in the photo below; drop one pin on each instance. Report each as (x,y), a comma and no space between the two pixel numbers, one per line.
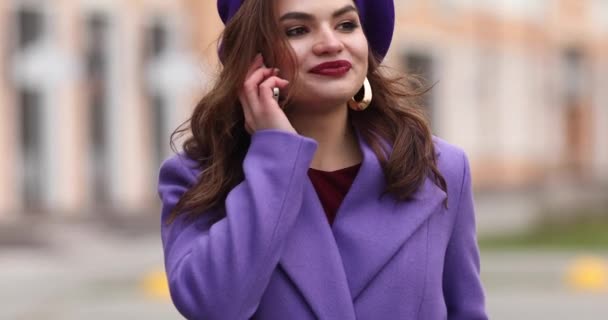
(312,260)
(332,266)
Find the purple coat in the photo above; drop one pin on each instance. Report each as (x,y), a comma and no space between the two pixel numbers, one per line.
(274,255)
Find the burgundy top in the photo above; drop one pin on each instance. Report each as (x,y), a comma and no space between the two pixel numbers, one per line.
(332,186)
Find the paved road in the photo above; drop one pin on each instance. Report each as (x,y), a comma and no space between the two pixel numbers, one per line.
(86,272)
(534,285)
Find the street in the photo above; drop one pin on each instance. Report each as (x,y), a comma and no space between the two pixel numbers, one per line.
(83,271)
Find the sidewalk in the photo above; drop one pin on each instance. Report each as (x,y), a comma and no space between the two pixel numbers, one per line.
(82,271)
(534,285)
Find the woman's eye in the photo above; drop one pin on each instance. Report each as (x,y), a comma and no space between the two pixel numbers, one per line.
(348,26)
(296,31)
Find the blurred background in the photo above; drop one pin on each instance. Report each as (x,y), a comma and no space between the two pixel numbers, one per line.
(90,91)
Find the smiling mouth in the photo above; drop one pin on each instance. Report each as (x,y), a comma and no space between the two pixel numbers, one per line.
(332,69)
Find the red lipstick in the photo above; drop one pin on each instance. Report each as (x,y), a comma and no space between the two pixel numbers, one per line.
(332,68)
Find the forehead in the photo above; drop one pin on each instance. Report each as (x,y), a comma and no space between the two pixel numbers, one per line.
(311,6)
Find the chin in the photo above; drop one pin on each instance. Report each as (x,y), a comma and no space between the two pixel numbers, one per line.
(335,92)
(312,91)
(322,100)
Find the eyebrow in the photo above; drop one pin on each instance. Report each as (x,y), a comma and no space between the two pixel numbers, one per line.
(306,16)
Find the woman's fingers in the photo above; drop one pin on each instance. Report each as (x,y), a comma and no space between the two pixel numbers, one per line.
(251,88)
(257,63)
(260,110)
(258,105)
(266,87)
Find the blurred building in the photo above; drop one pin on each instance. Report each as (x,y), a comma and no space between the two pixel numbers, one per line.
(91,89)
(89,93)
(521,85)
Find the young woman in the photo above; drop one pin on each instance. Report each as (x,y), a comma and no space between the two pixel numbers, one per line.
(332,202)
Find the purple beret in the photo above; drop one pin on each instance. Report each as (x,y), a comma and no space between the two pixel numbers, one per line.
(377,17)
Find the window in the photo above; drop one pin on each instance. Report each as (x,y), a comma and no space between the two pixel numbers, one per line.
(29,102)
(96,51)
(421,65)
(574,74)
(29,27)
(156,40)
(576,112)
(156,47)
(158,119)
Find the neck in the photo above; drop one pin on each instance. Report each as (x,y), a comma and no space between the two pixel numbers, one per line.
(338,144)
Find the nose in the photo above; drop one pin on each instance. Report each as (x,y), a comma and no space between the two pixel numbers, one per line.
(328,42)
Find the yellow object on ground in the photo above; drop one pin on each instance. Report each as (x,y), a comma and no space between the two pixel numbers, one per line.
(588,274)
(155,285)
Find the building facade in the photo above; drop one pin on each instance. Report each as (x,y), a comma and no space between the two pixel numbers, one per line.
(519,84)
(90,91)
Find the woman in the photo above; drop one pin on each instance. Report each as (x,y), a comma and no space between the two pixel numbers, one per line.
(323,205)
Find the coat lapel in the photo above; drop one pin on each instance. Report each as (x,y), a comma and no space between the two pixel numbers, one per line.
(331,266)
(369,228)
(312,261)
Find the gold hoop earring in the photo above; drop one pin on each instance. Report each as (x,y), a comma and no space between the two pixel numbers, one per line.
(365,101)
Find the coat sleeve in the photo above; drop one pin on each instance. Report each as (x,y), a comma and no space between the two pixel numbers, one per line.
(462,287)
(218,267)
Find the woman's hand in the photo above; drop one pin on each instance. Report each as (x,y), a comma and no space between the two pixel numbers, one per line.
(260,109)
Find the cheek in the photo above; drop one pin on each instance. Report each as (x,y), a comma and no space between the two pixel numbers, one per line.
(298,51)
(361,53)
(361,49)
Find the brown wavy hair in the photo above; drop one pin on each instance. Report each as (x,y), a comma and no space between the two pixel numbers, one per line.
(218,142)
